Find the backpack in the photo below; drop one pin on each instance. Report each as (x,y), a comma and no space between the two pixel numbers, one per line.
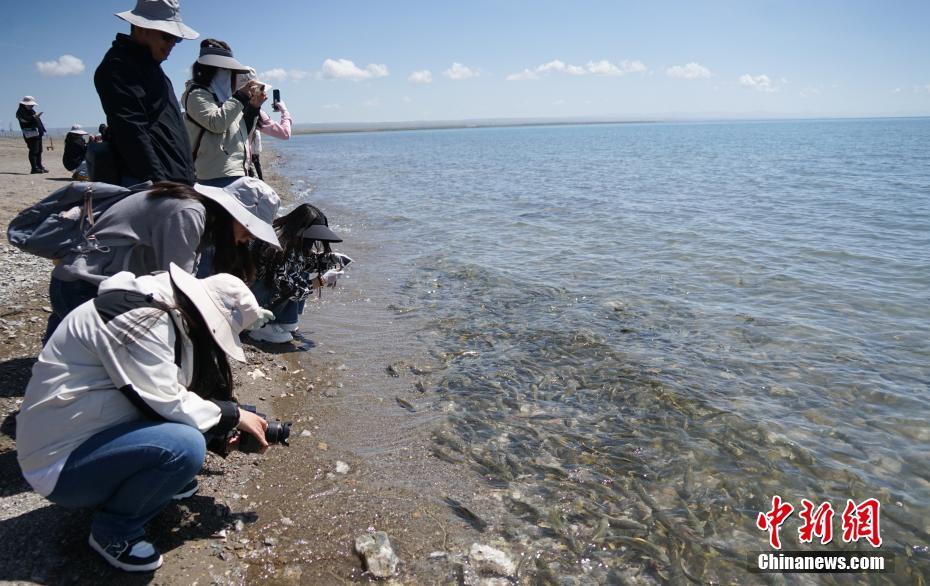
(59,224)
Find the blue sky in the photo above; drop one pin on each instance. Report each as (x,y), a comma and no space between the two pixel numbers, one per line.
(353,61)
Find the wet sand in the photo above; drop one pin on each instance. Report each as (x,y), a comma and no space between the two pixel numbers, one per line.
(356,384)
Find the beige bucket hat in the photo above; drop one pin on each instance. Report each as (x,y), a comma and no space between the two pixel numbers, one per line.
(225,303)
(160,15)
(252,202)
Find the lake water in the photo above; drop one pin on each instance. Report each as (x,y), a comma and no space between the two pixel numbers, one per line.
(640,333)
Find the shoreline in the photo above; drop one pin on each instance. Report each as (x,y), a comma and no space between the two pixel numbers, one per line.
(287,515)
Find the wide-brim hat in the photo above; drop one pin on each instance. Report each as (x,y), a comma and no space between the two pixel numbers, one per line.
(76,129)
(220,57)
(224,302)
(28,101)
(160,15)
(251,202)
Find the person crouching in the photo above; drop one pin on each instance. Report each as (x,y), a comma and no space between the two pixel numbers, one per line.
(121,397)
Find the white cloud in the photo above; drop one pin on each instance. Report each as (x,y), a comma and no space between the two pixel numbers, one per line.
(558,66)
(421,77)
(896,90)
(690,71)
(760,83)
(332,107)
(64,65)
(346,69)
(372,103)
(459,72)
(606,68)
(280,74)
(522,76)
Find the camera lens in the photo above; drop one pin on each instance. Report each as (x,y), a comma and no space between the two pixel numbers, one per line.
(278,432)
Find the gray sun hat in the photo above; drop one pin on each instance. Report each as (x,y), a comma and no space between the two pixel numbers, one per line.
(28,101)
(251,202)
(76,129)
(225,303)
(160,15)
(217,56)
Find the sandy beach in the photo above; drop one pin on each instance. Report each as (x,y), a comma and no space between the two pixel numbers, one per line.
(360,458)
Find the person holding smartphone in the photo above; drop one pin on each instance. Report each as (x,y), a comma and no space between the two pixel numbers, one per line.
(30,122)
(215,105)
(258,123)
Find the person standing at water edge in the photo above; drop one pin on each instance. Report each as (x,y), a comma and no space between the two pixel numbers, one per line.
(145,126)
(30,122)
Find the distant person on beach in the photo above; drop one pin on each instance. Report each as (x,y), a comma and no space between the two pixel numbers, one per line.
(258,123)
(101,135)
(146,128)
(215,114)
(128,395)
(30,122)
(74,152)
(287,277)
(170,223)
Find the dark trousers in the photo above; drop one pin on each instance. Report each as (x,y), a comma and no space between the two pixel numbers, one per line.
(35,152)
(65,296)
(257,164)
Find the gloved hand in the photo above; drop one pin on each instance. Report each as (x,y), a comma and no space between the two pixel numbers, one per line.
(264,316)
(343,259)
(279,106)
(330,277)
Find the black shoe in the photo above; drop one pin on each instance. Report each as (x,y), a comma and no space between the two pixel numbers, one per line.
(44,170)
(189,489)
(34,171)
(137,555)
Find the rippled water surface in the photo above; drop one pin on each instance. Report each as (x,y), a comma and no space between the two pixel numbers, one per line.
(642,332)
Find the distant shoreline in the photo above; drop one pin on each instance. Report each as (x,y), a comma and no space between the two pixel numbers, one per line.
(352,127)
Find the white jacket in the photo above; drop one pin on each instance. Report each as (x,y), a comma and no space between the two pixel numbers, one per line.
(74,390)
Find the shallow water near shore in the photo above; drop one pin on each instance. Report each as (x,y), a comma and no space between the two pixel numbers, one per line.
(637,334)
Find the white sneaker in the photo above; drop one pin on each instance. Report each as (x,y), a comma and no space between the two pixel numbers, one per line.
(271,333)
(289,327)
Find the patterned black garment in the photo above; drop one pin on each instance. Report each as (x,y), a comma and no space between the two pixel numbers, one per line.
(291,276)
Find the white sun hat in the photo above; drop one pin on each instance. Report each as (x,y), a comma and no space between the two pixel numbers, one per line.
(251,202)
(28,101)
(225,303)
(160,15)
(76,129)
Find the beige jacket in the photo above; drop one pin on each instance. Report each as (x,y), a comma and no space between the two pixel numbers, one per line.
(221,132)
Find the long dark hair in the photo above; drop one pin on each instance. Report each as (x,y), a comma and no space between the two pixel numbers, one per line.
(218,231)
(289,228)
(212,376)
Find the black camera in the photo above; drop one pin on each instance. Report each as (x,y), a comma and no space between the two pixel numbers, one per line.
(277,432)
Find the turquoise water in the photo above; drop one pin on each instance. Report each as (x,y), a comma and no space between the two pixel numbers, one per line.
(642,332)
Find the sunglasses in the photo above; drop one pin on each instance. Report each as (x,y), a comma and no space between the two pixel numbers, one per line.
(168,38)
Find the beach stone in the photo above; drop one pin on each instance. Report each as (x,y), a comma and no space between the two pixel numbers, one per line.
(380,559)
(488,560)
(341,467)
(305,433)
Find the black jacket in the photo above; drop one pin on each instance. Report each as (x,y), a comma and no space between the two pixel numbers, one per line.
(27,118)
(75,149)
(146,128)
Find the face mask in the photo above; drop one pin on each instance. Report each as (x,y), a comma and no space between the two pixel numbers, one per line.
(221,84)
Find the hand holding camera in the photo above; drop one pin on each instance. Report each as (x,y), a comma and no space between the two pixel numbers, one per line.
(255,427)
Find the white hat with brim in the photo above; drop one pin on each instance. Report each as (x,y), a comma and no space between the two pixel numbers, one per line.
(160,15)
(224,302)
(251,202)
(28,101)
(76,129)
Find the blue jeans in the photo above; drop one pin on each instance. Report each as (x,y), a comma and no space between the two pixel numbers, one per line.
(65,296)
(285,312)
(129,474)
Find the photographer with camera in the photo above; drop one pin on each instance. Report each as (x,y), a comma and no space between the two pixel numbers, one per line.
(30,122)
(305,263)
(214,114)
(258,123)
(127,395)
